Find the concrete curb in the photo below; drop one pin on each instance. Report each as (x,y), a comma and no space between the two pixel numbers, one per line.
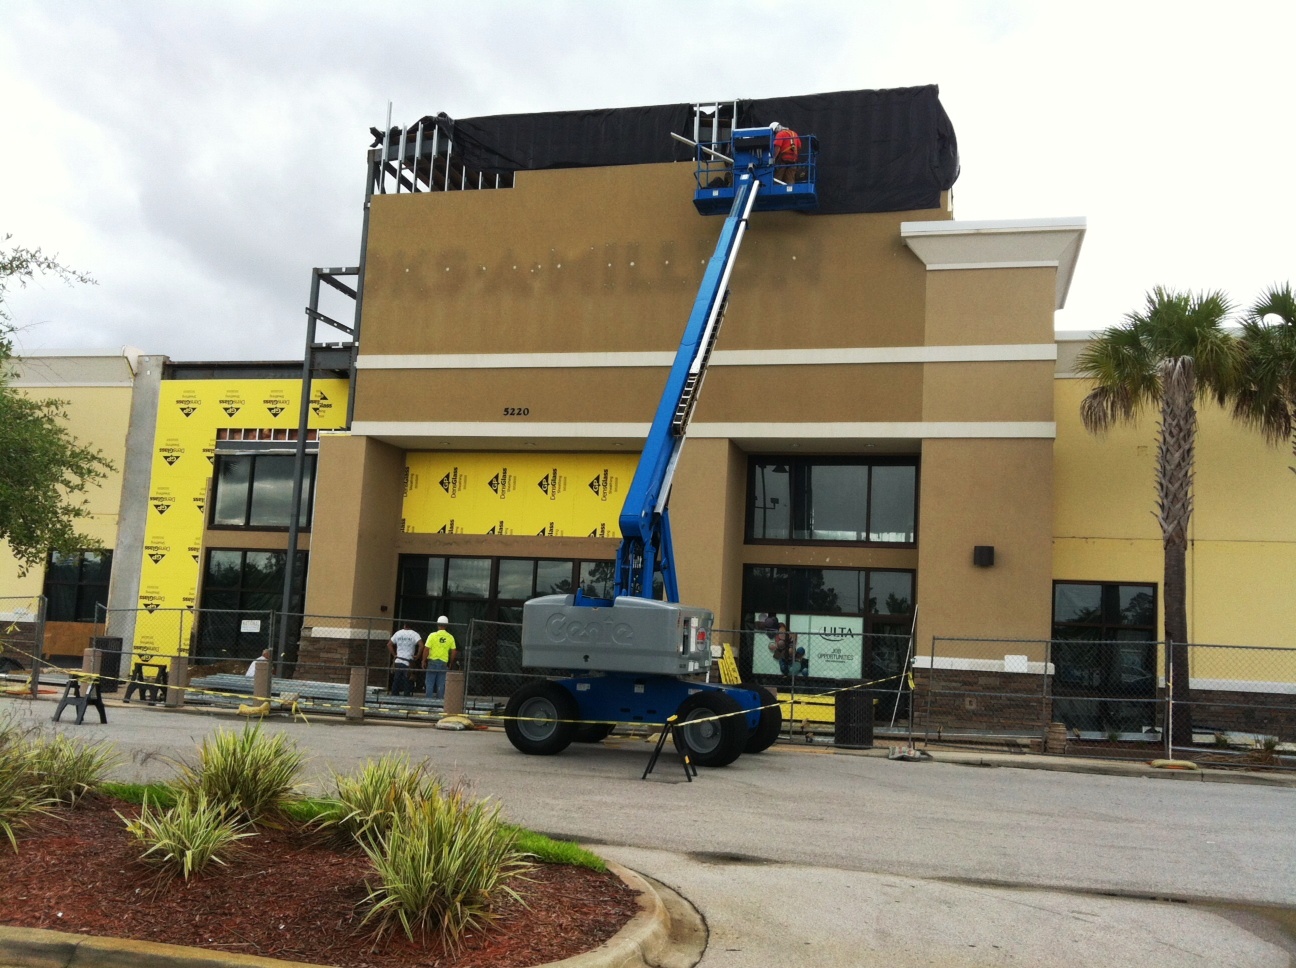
(666,932)
(1070,764)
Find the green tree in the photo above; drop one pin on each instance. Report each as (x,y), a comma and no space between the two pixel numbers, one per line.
(45,474)
(1266,396)
(1167,356)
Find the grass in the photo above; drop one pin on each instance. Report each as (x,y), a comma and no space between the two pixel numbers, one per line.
(312,810)
(441,867)
(187,837)
(252,773)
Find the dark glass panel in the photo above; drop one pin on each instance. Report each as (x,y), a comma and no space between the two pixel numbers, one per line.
(765,589)
(224,569)
(515,578)
(469,577)
(843,592)
(835,498)
(308,493)
(510,614)
(810,593)
(461,613)
(1137,605)
(553,578)
(890,593)
(63,568)
(61,604)
(413,575)
(96,566)
(217,600)
(436,569)
(88,596)
(771,500)
(271,492)
(597,578)
(1077,603)
(231,483)
(263,570)
(893,501)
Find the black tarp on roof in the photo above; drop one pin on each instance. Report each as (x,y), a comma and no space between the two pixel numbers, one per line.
(879,151)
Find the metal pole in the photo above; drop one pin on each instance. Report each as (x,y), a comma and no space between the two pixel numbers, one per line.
(400,158)
(299,461)
(1169,705)
(418,155)
(382,168)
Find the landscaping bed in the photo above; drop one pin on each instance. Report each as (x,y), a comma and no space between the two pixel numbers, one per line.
(284,893)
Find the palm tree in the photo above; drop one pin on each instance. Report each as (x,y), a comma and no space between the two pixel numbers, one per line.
(1168,355)
(1266,397)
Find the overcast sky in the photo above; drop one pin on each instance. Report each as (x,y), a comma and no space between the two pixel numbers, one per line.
(199,158)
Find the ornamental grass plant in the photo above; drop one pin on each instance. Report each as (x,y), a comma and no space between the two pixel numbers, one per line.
(250,772)
(65,770)
(20,796)
(182,840)
(367,801)
(442,867)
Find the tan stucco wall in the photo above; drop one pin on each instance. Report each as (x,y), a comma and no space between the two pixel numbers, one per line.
(357,524)
(986,492)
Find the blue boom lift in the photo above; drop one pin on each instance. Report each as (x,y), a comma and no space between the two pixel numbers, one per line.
(636,659)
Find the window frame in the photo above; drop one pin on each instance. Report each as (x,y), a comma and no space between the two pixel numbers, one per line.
(793,463)
(306,513)
(80,586)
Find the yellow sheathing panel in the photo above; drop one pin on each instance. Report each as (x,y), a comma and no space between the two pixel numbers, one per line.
(555,495)
(189,414)
(1242,556)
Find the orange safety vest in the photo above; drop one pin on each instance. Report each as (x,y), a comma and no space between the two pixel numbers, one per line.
(787,146)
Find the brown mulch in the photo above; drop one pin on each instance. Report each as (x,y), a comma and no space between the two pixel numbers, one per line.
(284,894)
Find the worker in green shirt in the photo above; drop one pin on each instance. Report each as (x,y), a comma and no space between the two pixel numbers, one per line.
(440,651)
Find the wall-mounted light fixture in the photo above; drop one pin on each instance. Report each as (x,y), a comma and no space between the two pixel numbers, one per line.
(983,556)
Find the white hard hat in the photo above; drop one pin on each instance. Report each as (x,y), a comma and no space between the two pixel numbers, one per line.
(443,621)
(775,126)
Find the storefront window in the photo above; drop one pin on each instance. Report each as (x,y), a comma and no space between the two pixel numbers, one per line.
(822,625)
(832,499)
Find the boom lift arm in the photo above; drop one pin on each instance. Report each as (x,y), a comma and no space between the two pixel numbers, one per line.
(645,524)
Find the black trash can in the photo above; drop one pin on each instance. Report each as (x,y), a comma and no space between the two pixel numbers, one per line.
(853,719)
(110,648)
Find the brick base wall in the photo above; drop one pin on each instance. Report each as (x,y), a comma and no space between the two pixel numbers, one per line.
(990,702)
(1272,714)
(326,659)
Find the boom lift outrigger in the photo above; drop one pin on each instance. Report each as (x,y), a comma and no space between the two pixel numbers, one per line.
(631,652)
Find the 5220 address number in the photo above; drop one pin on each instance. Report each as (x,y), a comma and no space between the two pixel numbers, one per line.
(517,411)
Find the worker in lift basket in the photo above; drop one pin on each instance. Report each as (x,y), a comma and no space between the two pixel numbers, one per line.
(787,153)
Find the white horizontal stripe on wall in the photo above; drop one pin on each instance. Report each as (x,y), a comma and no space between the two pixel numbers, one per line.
(905,431)
(1006,353)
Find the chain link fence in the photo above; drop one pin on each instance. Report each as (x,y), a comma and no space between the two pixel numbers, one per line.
(22,637)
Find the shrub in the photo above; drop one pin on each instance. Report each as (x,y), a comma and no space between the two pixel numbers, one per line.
(64,770)
(253,774)
(367,801)
(185,838)
(442,866)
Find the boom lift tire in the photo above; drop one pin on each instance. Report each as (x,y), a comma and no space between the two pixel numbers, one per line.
(715,743)
(592,732)
(544,722)
(771,720)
